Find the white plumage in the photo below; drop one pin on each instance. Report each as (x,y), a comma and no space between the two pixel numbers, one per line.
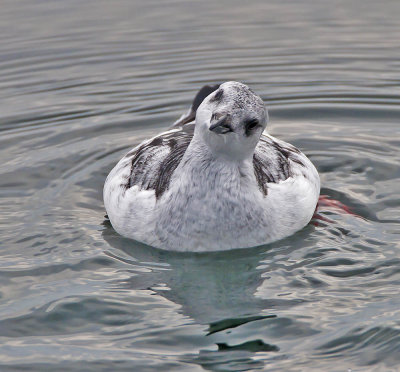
(218,184)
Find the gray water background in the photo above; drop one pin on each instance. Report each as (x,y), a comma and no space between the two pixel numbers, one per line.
(81,82)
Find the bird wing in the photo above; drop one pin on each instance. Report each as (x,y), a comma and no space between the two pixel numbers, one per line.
(153,162)
(274,161)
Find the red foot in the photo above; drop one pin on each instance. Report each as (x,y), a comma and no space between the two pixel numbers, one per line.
(325,201)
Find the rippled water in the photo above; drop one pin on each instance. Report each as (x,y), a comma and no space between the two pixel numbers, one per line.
(83,82)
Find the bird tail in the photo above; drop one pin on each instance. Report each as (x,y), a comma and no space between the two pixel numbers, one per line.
(190,115)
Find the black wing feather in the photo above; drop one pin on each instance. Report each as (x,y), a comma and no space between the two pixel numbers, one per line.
(153,163)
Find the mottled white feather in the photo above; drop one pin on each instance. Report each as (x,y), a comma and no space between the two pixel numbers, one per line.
(225,190)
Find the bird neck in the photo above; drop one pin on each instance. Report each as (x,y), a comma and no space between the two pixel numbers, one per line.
(203,149)
(201,165)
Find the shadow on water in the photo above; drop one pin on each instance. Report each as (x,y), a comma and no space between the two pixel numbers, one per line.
(217,290)
(213,289)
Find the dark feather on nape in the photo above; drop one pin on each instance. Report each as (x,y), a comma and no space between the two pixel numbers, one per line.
(198,99)
(218,96)
(202,94)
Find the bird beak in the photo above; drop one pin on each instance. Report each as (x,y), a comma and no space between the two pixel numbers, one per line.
(222,126)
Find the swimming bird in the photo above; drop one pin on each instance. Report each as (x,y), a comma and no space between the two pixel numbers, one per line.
(214,181)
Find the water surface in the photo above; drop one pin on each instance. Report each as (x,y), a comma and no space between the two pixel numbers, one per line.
(83,82)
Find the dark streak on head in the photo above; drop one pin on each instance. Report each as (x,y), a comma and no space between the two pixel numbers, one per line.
(250,126)
(218,96)
(202,94)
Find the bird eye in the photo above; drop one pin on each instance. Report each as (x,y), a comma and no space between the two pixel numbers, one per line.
(251,124)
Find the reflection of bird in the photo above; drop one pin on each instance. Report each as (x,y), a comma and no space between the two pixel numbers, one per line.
(220,296)
(215,184)
(254,346)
